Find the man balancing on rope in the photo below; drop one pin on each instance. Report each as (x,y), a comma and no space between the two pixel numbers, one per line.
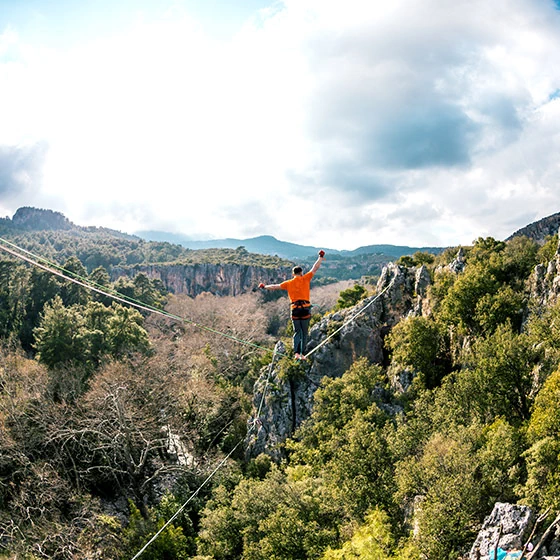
(298,289)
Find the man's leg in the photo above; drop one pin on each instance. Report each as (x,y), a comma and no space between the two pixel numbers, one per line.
(304,334)
(298,336)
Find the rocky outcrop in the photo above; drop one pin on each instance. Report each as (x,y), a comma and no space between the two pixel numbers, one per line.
(406,290)
(516,524)
(288,402)
(545,281)
(194,279)
(39,219)
(457,265)
(509,528)
(540,229)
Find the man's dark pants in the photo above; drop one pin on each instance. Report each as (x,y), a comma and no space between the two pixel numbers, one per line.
(301,330)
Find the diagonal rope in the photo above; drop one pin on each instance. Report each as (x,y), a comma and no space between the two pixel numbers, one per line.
(55,269)
(323,342)
(81,281)
(220,465)
(191,497)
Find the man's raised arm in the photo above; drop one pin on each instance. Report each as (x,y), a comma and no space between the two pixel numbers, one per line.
(318,262)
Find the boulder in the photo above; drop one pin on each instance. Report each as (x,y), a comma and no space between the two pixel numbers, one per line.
(516,522)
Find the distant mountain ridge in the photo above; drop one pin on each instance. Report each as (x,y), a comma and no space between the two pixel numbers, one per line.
(539,230)
(269,245)
(32,219)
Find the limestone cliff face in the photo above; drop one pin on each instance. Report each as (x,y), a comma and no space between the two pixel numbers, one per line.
(194,279)
(545,282)
(288,402)
(540,229)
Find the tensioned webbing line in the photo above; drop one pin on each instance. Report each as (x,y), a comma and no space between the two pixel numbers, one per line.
(55,269)
(211,475)
(345,324)
(103,290)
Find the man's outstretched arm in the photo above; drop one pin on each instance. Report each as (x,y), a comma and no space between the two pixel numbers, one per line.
(270,286)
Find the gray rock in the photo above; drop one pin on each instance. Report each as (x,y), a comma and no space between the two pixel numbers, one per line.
(422,280)
(287,403)
(194,279)
(459,263)
(517,523)
(400,378)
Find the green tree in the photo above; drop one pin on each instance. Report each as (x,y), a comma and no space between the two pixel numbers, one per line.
(518,260)
(345,440)
(99,277)
(443,486)
(350,296)
(85,334)
(459,304)
(70,292)
(125,332)
(406,260)
(13,296)
(172,543)
(61,336)
(493,310)
(548,250)
(372,541)
(43,287)
(418,342)
(500,374)
(543,457)
(423,258)
(485,248)
(490,290)
(285,515)
(147,291)
(543,330)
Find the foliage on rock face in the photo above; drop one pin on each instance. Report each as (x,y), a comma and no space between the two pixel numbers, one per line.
(543,477)
(419,343)
(548,249)
(288,514)
(351,296)
(490,291)
(453,478)
(118,411)
(176,540)
(372,541)
(345,440)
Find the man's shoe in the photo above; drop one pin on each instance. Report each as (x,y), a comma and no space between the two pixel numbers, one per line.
(297,356)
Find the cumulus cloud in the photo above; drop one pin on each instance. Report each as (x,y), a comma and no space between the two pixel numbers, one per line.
(449,106)
(399,122)
(21,170)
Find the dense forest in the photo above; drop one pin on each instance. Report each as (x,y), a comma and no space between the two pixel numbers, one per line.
(110,419)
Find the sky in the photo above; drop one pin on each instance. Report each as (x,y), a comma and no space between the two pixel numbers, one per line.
(320,122)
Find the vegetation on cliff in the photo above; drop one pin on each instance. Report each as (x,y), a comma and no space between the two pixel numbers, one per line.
(109,420)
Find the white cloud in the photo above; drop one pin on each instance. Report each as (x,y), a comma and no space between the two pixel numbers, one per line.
(318,122)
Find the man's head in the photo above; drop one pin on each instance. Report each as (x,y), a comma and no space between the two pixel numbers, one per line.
(297,271)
